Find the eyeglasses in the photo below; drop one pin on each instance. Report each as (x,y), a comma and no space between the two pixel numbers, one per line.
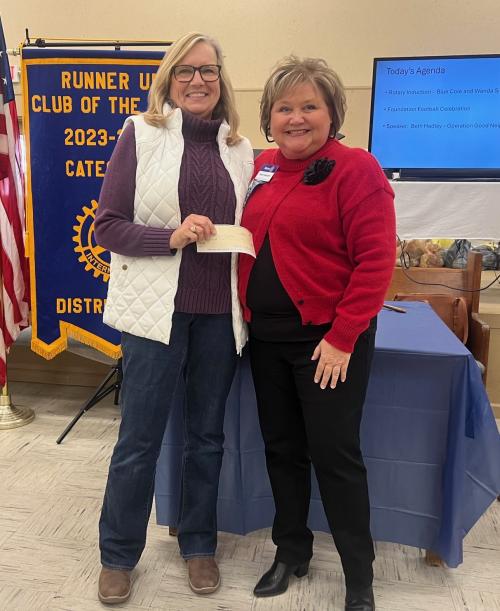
(185,74)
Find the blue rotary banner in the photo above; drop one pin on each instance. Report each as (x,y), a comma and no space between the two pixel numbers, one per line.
(75,103)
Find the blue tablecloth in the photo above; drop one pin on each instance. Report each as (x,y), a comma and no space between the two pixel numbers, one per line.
(429,438)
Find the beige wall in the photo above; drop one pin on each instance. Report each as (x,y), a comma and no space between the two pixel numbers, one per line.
(255,33)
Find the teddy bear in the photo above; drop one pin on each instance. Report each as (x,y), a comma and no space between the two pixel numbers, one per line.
(412,252)
(433,255)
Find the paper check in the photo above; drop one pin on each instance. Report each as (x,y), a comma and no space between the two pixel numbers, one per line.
(228,238)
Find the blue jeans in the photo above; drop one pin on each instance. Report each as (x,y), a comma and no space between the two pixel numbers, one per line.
(202,349)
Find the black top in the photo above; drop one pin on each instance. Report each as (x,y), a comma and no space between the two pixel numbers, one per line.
(274,315)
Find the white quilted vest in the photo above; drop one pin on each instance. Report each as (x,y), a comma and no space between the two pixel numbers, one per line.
(141,290)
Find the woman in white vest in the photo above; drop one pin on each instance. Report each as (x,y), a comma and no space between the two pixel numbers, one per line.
(177,171)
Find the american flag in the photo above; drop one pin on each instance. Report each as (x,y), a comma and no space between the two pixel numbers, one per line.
(13,265)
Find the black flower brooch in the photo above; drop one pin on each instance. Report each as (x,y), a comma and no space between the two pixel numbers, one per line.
(318,171)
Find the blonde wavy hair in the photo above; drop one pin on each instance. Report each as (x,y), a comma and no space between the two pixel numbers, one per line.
(160,89)
(292,71)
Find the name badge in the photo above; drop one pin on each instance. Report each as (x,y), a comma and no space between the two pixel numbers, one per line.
(266,173)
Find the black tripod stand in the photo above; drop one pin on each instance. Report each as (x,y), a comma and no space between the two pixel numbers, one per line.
(112,382)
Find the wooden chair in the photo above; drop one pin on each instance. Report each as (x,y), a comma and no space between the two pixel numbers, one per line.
(408,281)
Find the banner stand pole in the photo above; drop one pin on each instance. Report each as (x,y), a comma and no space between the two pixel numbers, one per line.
(112,382)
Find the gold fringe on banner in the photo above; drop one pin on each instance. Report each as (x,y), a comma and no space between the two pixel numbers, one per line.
(49,351)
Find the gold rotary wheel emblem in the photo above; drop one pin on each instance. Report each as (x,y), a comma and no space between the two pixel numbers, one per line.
(90,252)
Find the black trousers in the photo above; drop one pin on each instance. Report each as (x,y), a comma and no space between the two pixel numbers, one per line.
(301,423)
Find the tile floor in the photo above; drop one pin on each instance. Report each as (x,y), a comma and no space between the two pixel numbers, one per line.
(50,499)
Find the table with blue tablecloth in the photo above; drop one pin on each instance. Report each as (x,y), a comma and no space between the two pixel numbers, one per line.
(429,438)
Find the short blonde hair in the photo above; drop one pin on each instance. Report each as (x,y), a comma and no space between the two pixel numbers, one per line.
(160,89)
(292,71)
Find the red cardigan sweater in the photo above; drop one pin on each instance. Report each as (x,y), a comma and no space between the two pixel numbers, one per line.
(333,243)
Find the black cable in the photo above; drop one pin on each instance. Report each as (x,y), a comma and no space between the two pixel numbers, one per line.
(405,266)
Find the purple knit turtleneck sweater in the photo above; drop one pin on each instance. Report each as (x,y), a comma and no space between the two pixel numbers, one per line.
(204,188)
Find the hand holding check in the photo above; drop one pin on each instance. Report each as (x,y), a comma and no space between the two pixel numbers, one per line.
(194,228)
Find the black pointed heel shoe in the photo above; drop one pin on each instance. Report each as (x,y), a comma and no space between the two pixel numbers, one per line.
(275,581)
(360,600)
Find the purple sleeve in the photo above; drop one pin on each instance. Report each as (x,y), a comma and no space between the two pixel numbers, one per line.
(114,223)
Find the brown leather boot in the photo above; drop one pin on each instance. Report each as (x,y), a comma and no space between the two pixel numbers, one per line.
(114,586)
(203,574)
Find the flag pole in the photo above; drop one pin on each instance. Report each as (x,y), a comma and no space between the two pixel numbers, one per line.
(11,416)
(14,304)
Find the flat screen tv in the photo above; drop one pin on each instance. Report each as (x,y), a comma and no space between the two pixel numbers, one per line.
(437,117)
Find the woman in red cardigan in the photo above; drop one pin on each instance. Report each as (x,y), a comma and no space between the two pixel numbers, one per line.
(323,224)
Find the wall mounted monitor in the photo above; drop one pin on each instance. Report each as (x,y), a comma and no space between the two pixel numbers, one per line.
(437,117)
